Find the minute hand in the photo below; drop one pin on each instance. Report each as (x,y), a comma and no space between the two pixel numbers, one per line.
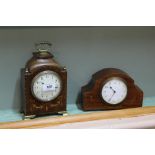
(112,96)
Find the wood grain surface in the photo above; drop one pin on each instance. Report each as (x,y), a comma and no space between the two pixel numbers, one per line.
(55,121)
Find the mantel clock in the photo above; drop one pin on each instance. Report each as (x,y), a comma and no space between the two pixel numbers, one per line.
(110,89)
(44,84)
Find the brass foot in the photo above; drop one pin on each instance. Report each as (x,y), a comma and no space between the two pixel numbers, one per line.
(63,113)
(29,117)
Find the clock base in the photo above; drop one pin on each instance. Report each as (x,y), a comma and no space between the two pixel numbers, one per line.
(29,117)
(63,113)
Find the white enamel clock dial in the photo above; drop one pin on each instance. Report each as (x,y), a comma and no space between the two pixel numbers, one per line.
(46,86)
(114,91)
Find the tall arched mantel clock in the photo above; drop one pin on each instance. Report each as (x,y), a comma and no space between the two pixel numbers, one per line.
(44,83)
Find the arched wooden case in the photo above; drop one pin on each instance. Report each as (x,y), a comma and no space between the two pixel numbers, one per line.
(42,61)
(91,93)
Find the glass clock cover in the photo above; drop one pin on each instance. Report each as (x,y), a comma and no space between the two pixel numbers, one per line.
(114,91)
(46,86)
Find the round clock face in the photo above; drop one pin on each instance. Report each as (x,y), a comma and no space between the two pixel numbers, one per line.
(46,86)
(114,91)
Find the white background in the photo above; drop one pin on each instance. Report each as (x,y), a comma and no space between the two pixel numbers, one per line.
(77,13)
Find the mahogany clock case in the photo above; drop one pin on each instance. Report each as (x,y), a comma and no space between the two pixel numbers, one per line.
(90,97)
(40,62)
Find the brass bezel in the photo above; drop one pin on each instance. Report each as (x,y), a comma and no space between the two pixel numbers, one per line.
(112,78)
(42,73)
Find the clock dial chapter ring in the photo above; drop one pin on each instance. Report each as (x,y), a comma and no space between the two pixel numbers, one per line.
(46,86)
(114,91)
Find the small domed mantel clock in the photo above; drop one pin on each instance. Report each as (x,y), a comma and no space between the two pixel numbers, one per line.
(111,89)
(44,83)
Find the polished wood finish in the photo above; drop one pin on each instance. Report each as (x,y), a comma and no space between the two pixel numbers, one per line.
(56,121)
(42,61)
(91,99)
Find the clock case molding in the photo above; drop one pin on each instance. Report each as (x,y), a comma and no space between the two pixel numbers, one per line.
(31,107)
(90,97)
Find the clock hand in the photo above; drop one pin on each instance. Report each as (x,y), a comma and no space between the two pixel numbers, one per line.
(114,92)
(112,89)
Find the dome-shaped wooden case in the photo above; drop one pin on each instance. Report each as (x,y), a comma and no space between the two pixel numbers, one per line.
(42,61)
(90,98)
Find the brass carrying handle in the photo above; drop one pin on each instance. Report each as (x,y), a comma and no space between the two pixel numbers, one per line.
(43,46)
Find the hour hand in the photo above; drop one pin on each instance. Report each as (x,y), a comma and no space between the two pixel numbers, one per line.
(112,89)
